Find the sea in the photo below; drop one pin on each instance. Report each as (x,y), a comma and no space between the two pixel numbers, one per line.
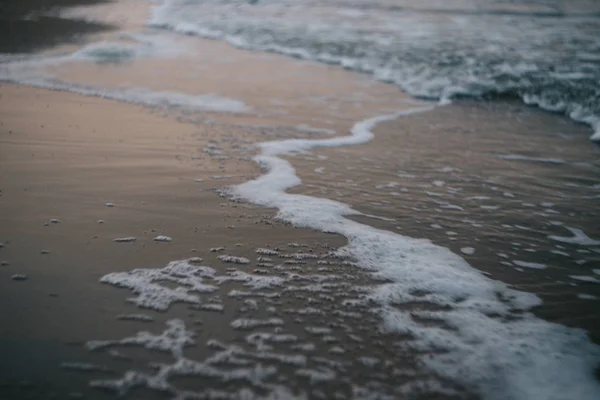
(545,52)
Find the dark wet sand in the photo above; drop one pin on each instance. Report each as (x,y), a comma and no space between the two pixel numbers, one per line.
(23,29)
(63,157)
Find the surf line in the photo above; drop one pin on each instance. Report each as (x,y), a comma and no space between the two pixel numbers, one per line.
(486,339)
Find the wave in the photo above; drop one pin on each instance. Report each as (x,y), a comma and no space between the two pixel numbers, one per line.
(31,70)
(551,61)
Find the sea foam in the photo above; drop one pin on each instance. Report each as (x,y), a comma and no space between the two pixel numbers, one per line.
(490,343)
(412,47)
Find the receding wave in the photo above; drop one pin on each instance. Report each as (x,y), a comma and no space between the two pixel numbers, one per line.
(547,57)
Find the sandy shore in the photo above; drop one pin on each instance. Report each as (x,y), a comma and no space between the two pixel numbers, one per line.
(491,181)
(64,157)
(74,154)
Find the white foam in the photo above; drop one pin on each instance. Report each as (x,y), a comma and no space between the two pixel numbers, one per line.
(162,238)
(304,347)
(390,185)
(233,259)
(559,362)
(247,323)
(467,250)
(410,48)
(212,307)
(310,129)
(321,374)
(146,284)
(579,237)
(585,278)
(172,340)
(526,264)
(258,339)
(266,252)
(125,239)
(78,366)
(518,157)
(447,169)
(251,280)
(229,363)
(317,330)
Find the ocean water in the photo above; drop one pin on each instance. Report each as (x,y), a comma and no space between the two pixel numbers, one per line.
(545,52)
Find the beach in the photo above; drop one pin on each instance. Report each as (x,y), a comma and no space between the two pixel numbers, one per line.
(183,218)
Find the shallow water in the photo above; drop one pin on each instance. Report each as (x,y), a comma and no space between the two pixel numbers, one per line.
(546,52)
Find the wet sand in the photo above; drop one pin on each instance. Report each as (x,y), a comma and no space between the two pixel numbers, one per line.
(28,25)
(64,156)
(70,157)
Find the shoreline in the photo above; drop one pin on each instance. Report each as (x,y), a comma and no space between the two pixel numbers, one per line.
(553,307)
(147,173)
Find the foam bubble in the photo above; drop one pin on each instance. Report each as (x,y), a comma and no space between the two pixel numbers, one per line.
(526,264)
(162,238)
(310,129)
(579,237)
(233,260)
(172,340)
(125,239)
(585,278)
(147,285)
(519,157)
(467,250)
(246,323)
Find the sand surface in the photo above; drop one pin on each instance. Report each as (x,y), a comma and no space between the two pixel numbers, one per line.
(64,157)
